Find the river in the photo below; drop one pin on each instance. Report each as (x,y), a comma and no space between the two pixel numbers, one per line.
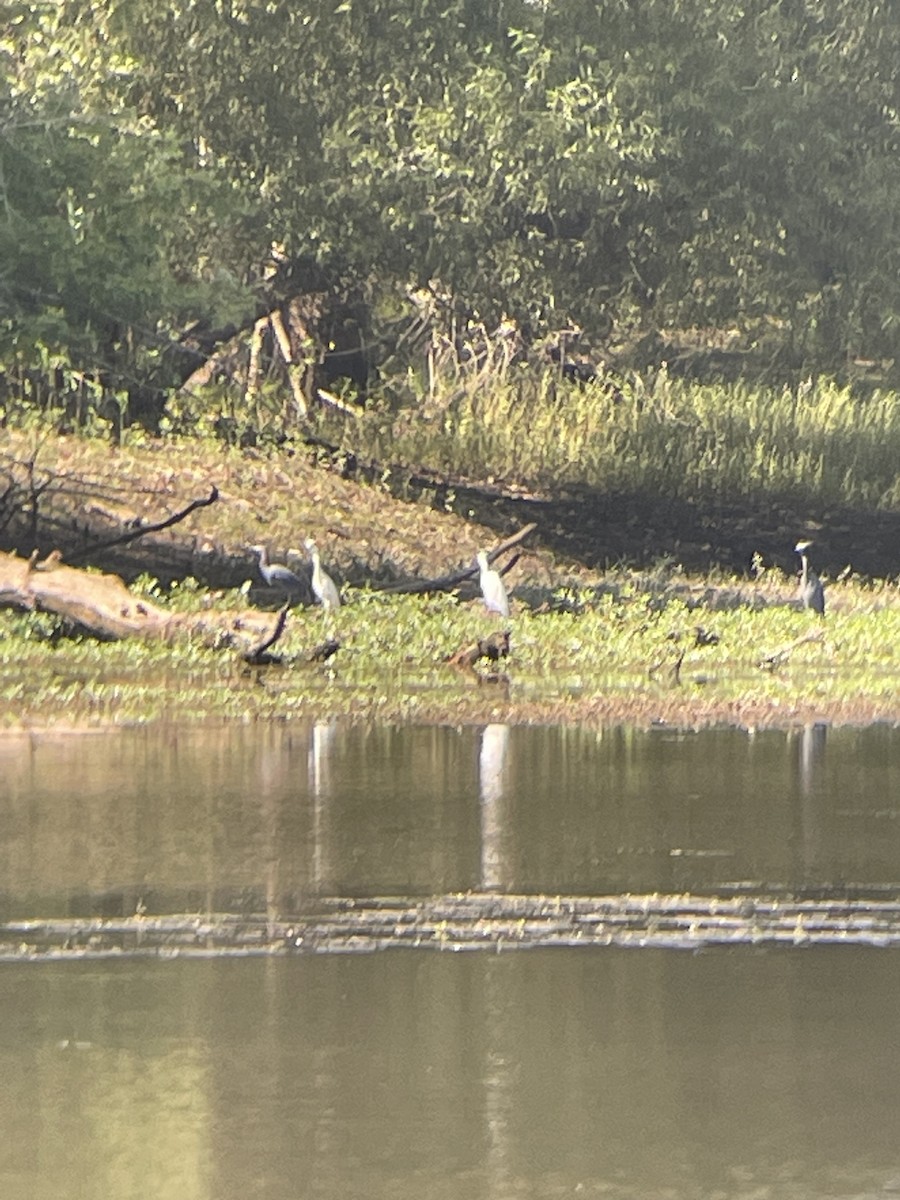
(185,1014)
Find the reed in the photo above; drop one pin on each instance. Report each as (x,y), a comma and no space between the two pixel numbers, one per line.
(661,435)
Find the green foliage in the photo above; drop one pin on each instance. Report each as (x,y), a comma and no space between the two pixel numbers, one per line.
(100,251)
(631,167)
(607,657)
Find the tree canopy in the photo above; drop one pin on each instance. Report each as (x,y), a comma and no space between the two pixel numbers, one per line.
(626,166)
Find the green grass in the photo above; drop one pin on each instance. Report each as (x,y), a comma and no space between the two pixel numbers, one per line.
(817,445)
(818,442)
(599,655)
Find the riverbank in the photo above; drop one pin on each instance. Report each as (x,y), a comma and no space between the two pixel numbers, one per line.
(630,644)
(629,650)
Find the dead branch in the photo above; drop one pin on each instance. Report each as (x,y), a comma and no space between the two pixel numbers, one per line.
(253,368)
(336,402)
(258,655)
(447,583)
(779,657)
(293,369)
(142,530)
(223,359)
(673,668)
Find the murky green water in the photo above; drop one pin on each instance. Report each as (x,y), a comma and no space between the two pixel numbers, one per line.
(598,1072)
(255,818)
(402,1076)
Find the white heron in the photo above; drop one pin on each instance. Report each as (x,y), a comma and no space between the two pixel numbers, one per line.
(492,589)
(323,586)
(811,592)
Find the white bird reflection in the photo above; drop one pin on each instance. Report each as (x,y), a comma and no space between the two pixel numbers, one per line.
(321,746)
(499,1073)
(812,754)
(812,828)
(491,789)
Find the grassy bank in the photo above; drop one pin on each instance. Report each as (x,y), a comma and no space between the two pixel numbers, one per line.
(585,646)
(626,650)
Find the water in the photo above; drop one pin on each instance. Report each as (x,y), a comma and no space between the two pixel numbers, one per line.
(257,819)
(730,1072)
(553,1073)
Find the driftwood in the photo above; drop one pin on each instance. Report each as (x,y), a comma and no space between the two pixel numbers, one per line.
(103,606)
(447,583)
(778,658)
(492,648)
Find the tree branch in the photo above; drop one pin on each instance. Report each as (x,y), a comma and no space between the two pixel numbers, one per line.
(447,582)
(122,539)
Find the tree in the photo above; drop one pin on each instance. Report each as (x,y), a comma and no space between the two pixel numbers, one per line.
(103,256)
(626,166)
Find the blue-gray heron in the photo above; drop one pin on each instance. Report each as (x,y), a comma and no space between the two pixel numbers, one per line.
(277,575)
(492,589)
(811,592)
(323,586)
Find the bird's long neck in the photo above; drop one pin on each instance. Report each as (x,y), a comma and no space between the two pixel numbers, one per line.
(263,557)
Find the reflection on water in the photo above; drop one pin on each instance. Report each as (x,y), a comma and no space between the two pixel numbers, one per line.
(261,819)
(414,1076)
(813,739)
(491,790)
(403,1076)
(321,747)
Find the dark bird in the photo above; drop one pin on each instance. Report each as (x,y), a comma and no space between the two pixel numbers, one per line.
(277,575)
(810,592)
(705,637)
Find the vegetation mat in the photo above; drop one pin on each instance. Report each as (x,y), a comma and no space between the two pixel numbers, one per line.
(471,921)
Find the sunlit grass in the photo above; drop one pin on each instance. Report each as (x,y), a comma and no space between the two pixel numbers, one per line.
(627,650)
(661,436)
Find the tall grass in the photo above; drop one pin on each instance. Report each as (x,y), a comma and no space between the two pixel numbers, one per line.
(661,435)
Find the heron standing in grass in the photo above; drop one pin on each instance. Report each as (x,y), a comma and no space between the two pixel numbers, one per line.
(492,589)
(277,575)
(811,592)
(323,586)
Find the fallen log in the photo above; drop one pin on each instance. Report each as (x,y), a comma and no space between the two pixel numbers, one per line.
(102,606)
(446,583)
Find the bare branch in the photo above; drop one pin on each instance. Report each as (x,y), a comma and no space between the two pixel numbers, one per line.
(446,583)
(122,539)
